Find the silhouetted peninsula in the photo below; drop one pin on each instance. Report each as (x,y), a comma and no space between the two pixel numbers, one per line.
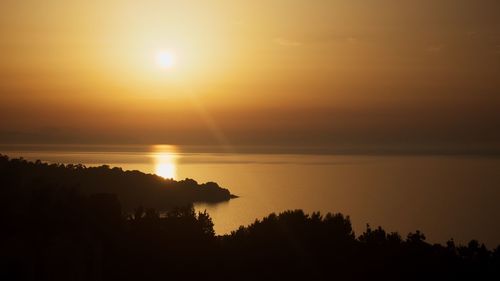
(134,188)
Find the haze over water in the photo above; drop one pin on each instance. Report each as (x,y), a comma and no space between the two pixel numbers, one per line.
(444,196)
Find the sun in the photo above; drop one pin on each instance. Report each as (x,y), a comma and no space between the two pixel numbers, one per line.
(166,59)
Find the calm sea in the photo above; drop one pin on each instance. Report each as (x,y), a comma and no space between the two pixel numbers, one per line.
(444,196)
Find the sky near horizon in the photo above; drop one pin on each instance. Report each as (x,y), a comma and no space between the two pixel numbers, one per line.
(348,74)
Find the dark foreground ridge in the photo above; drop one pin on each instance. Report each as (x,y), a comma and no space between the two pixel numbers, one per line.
(57,233)
(133,188)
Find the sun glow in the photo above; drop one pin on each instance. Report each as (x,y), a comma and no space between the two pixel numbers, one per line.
(165,170)
(164,157)
(166,59)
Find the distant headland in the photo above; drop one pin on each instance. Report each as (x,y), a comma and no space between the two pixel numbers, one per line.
(134,188)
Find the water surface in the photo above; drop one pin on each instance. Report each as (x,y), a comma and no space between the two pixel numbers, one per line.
(444,196)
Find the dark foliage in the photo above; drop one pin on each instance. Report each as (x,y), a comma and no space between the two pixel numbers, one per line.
(54,232)
(133,188)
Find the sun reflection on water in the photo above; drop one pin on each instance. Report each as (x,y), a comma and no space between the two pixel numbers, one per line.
(165,157)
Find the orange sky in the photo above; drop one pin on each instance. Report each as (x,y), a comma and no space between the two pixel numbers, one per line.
(416,74)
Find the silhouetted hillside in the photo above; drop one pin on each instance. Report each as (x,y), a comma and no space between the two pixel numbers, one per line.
(299,246)
(54,232)
(62,235)
(133,188)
